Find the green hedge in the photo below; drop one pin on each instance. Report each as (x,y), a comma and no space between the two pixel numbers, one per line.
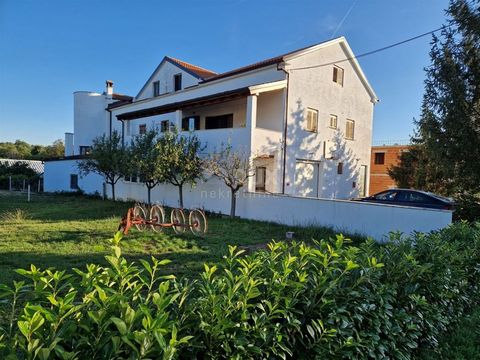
(302,301)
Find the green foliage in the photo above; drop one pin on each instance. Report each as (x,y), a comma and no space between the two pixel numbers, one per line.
(147,159)
(445,158)
(326,299)
(22,150)
(107,158)
(181,163)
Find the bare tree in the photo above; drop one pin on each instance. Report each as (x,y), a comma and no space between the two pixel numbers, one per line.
(234,169)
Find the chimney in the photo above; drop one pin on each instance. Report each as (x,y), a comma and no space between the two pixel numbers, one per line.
(109,86)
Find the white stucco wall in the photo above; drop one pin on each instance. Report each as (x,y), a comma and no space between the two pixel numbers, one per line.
(374,220)
(57,178)
(89,118)
(314,88)
(165,74)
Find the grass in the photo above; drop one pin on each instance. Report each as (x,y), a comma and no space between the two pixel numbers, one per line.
(66,231)
(461,342)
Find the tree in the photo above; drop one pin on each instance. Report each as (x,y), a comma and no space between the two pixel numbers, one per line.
(107,158)
(181,163)
(147,159)
(234,169)
(447,136)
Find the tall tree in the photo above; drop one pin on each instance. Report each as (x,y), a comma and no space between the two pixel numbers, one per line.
(448,132)
(181,163)
(234,169)
(147,159)
(107,158)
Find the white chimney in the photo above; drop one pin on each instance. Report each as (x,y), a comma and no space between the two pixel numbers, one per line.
(109,85)
(69,146)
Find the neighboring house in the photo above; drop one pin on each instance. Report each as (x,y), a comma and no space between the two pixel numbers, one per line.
(304,118)
(383,158)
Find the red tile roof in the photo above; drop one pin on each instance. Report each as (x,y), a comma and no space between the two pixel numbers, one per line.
(199,71)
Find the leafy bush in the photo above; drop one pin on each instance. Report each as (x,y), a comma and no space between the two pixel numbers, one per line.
(467,207)
(320,300)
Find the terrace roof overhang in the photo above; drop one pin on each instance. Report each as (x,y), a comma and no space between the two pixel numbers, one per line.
(203,100)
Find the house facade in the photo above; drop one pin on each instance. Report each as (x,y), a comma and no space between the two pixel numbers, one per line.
(383,158)
(304,118)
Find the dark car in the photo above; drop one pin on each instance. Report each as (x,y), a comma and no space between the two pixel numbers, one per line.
(407,197)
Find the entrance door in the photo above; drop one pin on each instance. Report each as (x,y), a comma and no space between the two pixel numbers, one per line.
(362,181)
(306,178)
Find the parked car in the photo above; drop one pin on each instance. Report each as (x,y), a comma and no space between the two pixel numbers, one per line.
(408,197)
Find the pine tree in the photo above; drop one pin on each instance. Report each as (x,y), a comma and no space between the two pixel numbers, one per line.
(446,156)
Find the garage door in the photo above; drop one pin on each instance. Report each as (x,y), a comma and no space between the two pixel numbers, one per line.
(306,178)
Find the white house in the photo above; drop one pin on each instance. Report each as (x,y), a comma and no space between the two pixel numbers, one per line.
(305,118)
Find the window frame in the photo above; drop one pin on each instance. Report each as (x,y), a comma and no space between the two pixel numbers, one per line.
(310,110)
(376,161)
(156,88)
(353,129)
(164,126)
(229,117)
(84,149)
(257,187)
(74,182)
(142,129)
(336,121)
(175,77)
(335,76)
(340,168)
(186,123)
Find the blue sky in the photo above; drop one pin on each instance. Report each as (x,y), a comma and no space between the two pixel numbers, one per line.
(49,49)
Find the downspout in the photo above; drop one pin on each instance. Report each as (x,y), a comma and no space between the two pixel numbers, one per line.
(285,131)
(110,122)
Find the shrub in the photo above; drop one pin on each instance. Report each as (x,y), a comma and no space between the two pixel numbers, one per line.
(325,299)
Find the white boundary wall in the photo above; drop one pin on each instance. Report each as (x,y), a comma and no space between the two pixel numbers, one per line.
(352,217)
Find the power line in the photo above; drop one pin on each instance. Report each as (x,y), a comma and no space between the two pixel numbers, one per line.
(373,51)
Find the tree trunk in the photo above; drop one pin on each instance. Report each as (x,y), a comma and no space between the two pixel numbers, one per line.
(149,189)
(180,194)
(233,203)
(113,190)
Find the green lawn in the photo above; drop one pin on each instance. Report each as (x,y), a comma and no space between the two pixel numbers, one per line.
(65,231)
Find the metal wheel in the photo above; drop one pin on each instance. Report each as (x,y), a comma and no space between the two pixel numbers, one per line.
(139,213)
(157,216)
(177,218)
(198,222)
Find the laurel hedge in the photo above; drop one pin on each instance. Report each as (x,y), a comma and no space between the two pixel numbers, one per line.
(325,299)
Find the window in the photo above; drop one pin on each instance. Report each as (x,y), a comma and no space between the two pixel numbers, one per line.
(131,178)
(191,123)
(85,150)
(164,126)
(142,129)
(177,82)
(219,122)
(386,195)
(333,121)
(260,178)
(73,181)
(156,88)
(340,168)
(338,75)
(379,158)
(350,130)
(312,120)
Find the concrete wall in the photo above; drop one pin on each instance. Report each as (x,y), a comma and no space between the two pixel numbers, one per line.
(374,220)
(57,178)
(314,88)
